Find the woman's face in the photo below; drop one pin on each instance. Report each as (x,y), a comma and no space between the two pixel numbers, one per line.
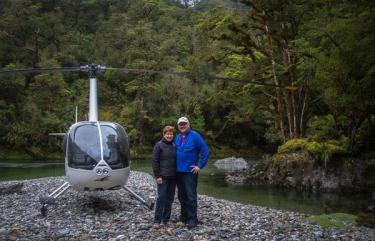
(168,136)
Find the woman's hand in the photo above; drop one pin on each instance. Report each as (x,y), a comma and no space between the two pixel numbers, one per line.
(159,180)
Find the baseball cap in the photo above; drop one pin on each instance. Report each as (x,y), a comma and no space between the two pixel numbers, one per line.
(182,119)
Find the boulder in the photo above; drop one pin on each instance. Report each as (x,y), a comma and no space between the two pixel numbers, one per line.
(232,164)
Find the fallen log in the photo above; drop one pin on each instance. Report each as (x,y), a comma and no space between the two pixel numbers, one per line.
(15,188)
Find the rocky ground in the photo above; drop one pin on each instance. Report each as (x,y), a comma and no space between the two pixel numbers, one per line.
(114,215)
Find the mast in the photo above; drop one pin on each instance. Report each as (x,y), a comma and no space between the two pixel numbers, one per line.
(93,101)
(92,69)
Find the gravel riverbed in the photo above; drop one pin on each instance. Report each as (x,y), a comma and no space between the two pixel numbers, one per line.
(114,215)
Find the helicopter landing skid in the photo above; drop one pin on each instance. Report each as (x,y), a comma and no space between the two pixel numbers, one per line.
(51,198)
(148,204)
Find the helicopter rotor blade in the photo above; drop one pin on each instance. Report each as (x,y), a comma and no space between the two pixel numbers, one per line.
(149,71)
(189,75)
(93,68)
(41,70)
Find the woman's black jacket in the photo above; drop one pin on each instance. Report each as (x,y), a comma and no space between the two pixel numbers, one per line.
(164,159)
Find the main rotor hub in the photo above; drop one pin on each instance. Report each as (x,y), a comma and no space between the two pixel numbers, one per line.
(92,69)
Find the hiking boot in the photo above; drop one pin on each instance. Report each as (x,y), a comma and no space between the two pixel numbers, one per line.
(156,225)
(183,219)
(191,224)
(180,224)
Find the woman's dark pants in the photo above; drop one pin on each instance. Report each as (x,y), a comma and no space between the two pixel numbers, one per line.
(164,201)
(187,195)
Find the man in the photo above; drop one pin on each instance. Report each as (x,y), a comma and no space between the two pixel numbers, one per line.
(191,156)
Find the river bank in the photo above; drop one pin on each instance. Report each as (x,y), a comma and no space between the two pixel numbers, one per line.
(300,171)
(10,155)
(212,183)
(116,216)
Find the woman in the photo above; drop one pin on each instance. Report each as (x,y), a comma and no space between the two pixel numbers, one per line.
(164,167)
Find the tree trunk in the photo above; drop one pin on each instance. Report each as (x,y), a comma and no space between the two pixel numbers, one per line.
(280,106)
(289,94)
(36,48)
(302,115)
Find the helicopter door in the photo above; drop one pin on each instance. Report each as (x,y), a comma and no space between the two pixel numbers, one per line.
(115,145)
(84,146)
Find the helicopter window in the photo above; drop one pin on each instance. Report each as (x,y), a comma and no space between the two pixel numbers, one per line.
(115,146)
(84,147)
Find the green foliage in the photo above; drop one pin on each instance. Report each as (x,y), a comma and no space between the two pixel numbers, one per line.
(300,158)
(292,146)
(321,127)
(322,150)
(318,46)
(345,69)
(336,220)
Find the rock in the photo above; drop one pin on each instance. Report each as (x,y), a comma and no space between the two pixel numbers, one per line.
(291,181)
(4,231)
(330,183)
(62,232)
(235,179)
(12,237)
(231,164)
(318,234)
(178,231)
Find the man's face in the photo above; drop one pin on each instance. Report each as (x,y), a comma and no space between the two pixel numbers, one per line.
(183,127)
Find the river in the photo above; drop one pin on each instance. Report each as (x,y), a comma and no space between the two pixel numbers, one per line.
(211,183)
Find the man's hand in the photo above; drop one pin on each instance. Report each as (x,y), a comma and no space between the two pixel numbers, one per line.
(159,180)
(195,169)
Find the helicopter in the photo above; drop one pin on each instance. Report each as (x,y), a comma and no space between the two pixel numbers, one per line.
(97,153)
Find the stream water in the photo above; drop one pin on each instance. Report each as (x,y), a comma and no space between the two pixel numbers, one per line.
(211,183)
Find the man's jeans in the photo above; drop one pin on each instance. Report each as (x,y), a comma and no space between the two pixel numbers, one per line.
(187,195)
(166,192)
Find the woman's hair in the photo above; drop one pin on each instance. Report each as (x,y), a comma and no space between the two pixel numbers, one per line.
(168,128)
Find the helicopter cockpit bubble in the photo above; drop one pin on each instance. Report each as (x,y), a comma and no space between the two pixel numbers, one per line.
(84,150)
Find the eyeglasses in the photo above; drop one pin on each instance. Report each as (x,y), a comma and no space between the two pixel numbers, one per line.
(182,124)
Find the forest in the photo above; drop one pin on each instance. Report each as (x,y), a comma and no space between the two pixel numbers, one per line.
(303,71)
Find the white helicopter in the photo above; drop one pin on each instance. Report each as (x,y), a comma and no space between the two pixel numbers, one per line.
(97,153)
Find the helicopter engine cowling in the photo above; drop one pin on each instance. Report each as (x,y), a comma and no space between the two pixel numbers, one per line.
(97,156)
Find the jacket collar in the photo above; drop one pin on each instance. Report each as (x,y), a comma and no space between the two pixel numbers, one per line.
(187,133)
(166,142)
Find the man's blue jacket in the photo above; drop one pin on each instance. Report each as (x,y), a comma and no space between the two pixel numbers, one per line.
(194,152)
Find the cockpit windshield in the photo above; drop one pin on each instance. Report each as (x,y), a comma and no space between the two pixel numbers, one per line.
(84,146)
(115,146)
(84,149)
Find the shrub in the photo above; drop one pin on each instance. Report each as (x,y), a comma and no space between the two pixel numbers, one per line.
(321,127)
(292,145)
(322,150)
